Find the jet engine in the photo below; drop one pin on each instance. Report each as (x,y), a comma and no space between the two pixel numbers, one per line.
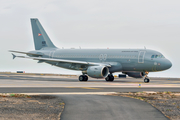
(135,74)
(97,71)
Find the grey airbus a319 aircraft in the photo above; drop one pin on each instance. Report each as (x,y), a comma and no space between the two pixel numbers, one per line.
(96,63)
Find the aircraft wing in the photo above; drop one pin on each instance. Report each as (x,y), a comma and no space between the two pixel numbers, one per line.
(64,61)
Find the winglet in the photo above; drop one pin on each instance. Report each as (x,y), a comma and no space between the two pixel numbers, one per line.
(14,56)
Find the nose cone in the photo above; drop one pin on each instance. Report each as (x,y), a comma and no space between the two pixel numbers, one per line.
(166,65)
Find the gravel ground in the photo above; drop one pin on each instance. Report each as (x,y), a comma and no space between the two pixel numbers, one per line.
(22,107)
(166,102)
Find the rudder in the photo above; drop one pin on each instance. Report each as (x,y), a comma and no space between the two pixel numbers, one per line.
(41,39)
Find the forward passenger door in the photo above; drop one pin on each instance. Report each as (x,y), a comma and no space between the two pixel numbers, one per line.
(141,56)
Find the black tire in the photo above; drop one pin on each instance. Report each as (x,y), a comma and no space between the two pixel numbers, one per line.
(107,78)
(81,78)
(146,80)
(85,78)
(110,77)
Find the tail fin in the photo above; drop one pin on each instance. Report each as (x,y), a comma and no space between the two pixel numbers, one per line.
(41,39)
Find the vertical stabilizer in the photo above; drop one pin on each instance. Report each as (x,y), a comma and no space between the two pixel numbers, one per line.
(41,39)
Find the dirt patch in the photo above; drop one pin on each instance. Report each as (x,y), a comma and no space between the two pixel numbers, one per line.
(166,102)
(23,107)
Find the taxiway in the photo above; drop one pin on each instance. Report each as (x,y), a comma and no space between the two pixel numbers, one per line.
(87,100)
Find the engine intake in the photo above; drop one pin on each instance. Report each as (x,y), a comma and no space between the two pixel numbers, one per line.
(97,71)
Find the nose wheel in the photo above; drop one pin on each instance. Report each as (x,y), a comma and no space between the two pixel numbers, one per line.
(110,77)
(83,78)
(146,80)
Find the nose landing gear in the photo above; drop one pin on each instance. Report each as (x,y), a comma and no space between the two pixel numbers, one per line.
(146,79)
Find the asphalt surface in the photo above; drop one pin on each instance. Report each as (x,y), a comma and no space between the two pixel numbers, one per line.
(101,107)
(79,90)
(90,107)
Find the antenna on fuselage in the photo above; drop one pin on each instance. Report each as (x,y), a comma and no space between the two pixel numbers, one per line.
(144,47)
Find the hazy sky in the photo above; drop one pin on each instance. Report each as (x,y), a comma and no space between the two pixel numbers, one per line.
(90,24)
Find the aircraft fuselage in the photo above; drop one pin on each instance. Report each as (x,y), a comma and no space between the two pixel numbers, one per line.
(121,60)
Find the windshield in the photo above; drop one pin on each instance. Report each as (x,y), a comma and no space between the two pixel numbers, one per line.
(157,56)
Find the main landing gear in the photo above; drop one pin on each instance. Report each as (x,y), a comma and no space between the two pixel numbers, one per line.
(110,77)
(83,78)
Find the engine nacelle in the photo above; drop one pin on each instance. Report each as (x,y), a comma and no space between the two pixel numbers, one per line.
(97,71)
(135,74)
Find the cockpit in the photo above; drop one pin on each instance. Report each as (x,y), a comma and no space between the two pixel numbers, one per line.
(157,56)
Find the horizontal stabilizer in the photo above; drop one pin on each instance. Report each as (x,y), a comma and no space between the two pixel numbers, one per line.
(14,56)
(27,53)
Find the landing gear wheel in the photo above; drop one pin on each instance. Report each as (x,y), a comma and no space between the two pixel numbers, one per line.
(110,77)
(107,78)
(83,78)
(146,80)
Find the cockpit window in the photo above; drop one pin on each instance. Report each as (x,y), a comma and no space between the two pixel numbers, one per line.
(162,56)
(157,56)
